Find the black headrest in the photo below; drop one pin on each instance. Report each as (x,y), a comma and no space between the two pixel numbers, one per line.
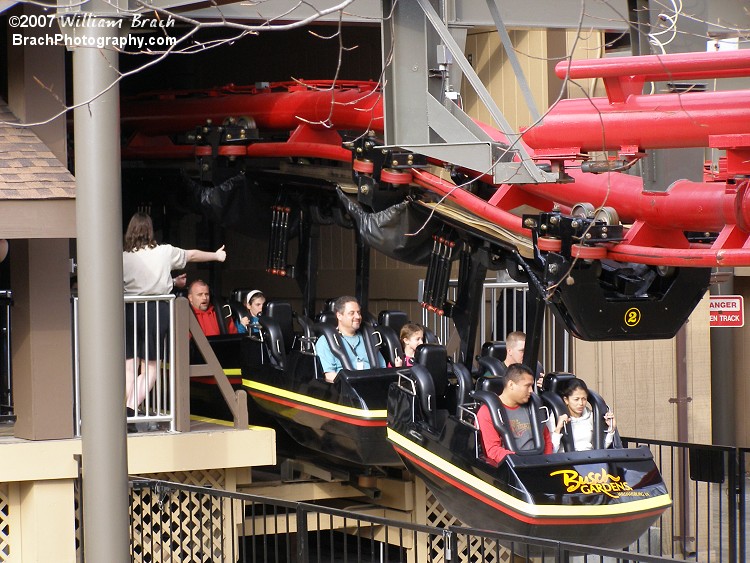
(394,319)
(368,318)
(492,366)
(494,349)
(327,317)
(273,336)
(556,381)
(430,337)
(279,310)
(330,318)
(492,383)
(282,313)
(239,294)
(435,358)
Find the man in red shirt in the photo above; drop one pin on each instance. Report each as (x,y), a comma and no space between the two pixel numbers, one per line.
(516,394)
(199,297)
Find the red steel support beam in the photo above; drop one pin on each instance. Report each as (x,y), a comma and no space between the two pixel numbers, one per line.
(660,68)
(627,121)
(657,121)
(280,107)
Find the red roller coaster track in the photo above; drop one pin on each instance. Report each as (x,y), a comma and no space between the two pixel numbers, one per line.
(626,121)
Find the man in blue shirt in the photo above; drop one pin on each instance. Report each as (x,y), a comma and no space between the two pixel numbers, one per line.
(349,317)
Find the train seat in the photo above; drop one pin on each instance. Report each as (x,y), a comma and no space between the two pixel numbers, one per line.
(328,314)
(281,312)
(393,319)
(336,344)
(499,417)
(491,383)
(225,312)
(333,338)
(494,349)
(554,383)
(434,357)
(491,366)
(428,398)
(239,294)
(273,336)
(464,384)
(390,347)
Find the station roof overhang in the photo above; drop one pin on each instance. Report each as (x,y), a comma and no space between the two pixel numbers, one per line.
(553,14)
(611,15)
(561,14)
(37,192)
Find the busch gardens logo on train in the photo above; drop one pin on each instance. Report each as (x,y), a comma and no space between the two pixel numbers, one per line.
(596,483)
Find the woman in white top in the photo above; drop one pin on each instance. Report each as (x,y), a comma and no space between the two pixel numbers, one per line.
(580,419)
(147,270)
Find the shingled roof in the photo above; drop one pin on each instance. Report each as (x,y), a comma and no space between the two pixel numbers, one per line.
(28,169)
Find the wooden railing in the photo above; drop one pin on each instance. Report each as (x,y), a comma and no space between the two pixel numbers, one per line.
(185,322)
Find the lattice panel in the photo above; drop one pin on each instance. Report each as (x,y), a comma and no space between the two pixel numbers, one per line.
(214,478)
(179,526)
(477,551)
(4,523)
(78,519)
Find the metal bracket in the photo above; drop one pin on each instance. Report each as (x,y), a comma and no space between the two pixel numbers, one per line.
(439,128)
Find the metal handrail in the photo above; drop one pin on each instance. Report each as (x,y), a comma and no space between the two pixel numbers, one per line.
(303,518)
(160,402)
(691,529)
(6,385)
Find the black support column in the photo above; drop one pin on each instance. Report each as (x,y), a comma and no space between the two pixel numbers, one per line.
(470,297)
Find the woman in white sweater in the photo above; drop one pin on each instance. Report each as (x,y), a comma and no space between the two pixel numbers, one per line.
(580,419)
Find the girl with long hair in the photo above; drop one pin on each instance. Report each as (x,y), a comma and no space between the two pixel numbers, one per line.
(147,270)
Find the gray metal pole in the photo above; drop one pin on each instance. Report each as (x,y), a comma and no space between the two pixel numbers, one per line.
(102,357)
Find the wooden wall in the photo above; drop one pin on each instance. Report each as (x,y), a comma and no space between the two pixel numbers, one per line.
(538,52)
(489,61)
(639,381)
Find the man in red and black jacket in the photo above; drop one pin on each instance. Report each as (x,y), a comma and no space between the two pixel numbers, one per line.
(208,317)
(515,398)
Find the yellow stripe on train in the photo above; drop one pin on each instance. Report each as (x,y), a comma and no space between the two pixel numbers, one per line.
(534,510)
(304,399)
